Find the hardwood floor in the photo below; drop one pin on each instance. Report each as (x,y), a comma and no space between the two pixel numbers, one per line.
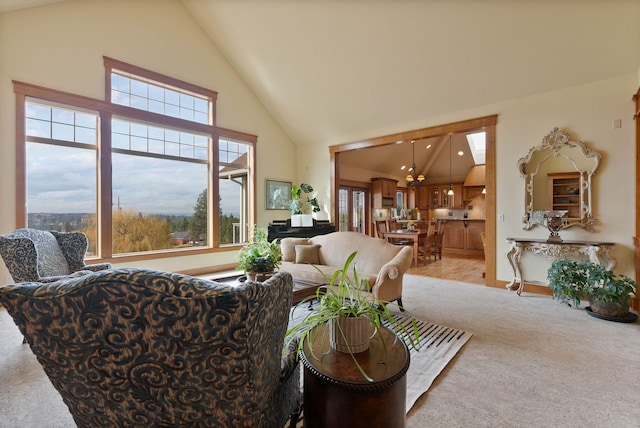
(455,268)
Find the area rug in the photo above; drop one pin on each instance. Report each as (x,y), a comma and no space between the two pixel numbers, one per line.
(438,346)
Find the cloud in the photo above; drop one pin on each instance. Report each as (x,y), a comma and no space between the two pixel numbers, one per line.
(63,180)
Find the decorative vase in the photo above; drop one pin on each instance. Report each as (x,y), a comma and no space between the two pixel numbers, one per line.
(554,224)
(350,334)
(607,309)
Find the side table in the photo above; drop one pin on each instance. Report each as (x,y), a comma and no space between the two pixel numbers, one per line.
(335,392)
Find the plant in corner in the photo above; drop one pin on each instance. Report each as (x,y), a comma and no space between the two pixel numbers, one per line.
(259,258)
(345,302)
(609,294)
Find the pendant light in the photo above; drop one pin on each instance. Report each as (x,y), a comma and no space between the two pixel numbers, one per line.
(412,178)
(450,192)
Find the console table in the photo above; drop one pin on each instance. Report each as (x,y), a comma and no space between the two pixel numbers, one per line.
(597,252)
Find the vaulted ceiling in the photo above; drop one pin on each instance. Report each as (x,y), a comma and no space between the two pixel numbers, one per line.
(332,72)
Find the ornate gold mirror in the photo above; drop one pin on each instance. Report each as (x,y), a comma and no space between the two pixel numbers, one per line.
(557,176)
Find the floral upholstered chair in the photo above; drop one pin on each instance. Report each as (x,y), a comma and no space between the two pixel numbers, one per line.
(45,256)
(142,348)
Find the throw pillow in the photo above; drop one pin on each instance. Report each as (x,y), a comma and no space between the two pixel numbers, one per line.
(288,250)
(308,254)
(51,261)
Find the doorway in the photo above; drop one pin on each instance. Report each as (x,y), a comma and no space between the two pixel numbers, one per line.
(486,124)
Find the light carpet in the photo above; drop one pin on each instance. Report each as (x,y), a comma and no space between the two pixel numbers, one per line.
(532,363)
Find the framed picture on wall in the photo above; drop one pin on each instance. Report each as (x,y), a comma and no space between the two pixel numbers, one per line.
(278,195)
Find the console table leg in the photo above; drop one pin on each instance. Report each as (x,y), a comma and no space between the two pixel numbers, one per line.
(513,256)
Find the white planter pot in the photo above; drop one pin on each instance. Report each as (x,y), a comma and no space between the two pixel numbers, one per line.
(349,334)
(301,220)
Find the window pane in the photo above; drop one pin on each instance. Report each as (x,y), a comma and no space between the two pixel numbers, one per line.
(61,190)
(157,97)
(153,199)
(143,138)
(61,180)
(233,184)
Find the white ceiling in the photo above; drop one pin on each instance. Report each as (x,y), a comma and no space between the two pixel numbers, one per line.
(333,72)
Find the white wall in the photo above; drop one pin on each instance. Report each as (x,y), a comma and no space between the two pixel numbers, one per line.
(587,112)
(61,47)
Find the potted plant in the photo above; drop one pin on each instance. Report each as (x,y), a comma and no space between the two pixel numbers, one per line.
(608,293)
(301,202)
(259,258)
(353,316)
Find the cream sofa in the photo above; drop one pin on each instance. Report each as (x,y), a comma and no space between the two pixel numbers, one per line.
(382,263)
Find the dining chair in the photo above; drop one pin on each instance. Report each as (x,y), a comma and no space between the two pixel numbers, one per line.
(426,248)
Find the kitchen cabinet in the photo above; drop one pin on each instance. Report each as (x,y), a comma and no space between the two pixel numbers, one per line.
(456,200)
(473,239)
(463,237)
(384,192)
(470,192)
(453,237)
(422,197)
(440,199)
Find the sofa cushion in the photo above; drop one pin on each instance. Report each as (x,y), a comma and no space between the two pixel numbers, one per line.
(288,248)
(318,274)
(307,254)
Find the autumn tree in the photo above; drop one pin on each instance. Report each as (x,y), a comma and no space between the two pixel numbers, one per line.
(132,232)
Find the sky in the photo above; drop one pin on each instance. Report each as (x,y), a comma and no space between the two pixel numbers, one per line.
(63,180)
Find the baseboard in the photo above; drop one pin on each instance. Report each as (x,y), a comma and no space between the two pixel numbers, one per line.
(528,287)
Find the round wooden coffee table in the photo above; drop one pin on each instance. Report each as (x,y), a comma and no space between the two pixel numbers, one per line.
(337,394)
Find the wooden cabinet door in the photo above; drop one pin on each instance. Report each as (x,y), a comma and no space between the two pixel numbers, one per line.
(423,197)
(389,189)
(456,200)
(444,197)
(473,239)
(434,197)
(454,232)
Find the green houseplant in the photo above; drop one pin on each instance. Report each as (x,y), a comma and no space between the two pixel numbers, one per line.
(301,201)
(259,258)
(341,303)
(609,294)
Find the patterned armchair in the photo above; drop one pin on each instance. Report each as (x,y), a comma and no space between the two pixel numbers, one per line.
(135,347)
(45,256)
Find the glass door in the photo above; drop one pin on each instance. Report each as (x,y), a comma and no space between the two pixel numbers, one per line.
(352,208)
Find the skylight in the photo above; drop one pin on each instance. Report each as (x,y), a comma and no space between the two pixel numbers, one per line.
(477,146)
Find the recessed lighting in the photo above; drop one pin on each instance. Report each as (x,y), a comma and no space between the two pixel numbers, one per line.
(402,168)
(428,146)
(460,153)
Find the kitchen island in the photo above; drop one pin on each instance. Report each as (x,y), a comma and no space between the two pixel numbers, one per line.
(462,237)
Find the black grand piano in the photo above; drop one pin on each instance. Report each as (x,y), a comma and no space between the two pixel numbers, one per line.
(279,229)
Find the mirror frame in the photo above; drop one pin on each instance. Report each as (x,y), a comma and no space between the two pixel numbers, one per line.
(555,141)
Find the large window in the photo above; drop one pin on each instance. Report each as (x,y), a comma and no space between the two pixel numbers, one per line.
(145,171)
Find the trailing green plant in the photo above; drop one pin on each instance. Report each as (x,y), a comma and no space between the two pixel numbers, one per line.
(258,254)
(344,299)
(300,205)
(571,281)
